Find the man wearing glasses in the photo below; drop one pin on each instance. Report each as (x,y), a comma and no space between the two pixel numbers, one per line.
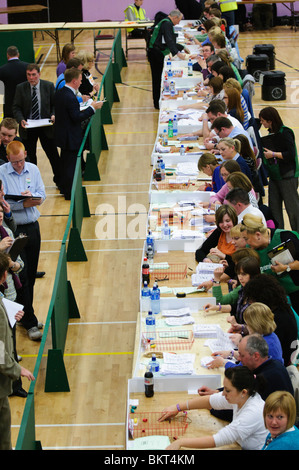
(23,179)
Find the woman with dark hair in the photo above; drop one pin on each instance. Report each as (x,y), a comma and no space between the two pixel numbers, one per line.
(232,99)
(248,155)
(68,52)
(219,243)
(267,290)
(281,161)
(239,395)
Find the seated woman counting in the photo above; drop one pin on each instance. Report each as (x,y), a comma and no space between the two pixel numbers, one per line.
(263,240)
(234,302)
(247,153)
(226,168)
(219,243)
(239,395)
(266,289)
(229,149)
(232,99)
(210,166)
(280,417)
(259,320)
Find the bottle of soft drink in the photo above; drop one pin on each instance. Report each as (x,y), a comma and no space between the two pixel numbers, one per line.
(155,299)
(150,324)
(145,298)
(172,88)
(150,241)
(149,383)
(145,272)
(170,128)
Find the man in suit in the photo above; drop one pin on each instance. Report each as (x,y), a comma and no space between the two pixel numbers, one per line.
(68,132)
(11,74)
(10,370)
(34,99)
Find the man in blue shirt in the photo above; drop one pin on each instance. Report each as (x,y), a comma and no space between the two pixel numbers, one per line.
(21,178)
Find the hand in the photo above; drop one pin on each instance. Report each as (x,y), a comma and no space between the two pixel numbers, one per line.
(217,252)
(6,206)
(176,445)
(52,118)
(210,307)
(181,55)
(19,315)
(203,391)
(268,153)
(97,104)
(209,218)
(218,273)
(32,202)
(168,413)
(5,243)
(207,285)
(24,123)
(26,193)
(216,363)
(236,338)
(279,267)
(27,373)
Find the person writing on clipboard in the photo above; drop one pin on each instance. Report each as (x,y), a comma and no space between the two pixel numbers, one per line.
(162,43)
(265,241)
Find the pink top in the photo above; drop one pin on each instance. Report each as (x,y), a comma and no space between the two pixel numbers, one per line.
(220,195)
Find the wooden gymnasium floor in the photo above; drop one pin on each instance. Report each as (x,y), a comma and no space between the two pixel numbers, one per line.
(99,347)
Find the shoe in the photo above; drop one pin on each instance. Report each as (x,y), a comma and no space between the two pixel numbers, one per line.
(19,393)
(40,274)
(19,358)
(40,325)
(34,333)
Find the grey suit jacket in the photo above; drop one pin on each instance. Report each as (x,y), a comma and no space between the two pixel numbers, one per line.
(10,370)
(22,105)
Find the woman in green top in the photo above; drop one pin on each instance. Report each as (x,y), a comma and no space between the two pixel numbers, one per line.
(263,240)
(281,161)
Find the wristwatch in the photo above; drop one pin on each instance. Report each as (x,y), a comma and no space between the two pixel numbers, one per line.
(288,269)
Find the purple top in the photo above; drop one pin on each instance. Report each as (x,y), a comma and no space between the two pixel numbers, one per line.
(60,68)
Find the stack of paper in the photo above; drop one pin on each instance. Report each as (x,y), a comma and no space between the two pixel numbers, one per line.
(177,364)
(187,168)
(204,272)
(205,331)
(221,343)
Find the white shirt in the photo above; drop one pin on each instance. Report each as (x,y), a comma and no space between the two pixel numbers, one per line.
(247,427)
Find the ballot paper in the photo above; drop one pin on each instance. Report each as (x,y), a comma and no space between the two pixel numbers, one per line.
(178,312)
(221,343)
(204,361)
(186,320)
(187,169)
(32,123)
(205,330)
(11,309)
(183,234)
(149,443)
(204,272)
(177,369)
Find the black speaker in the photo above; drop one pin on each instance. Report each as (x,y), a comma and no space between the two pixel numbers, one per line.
(255,64)
(267,49)
(273,85)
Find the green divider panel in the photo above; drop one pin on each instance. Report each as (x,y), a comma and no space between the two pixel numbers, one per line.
(26,437)
(56,377)
(119,58)
(97,143)
(23,40)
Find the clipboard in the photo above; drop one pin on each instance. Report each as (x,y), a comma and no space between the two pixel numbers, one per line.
(283,253)
(20,197)
(15,249)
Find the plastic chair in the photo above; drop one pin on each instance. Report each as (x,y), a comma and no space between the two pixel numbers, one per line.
(102,37)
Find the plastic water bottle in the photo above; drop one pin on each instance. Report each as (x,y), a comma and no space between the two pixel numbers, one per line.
(175,125)
(155,299)
(150,323)
(154,364)
(185,96)
(165,138)
(162,167)
(190,68)
(145,298)
(166,235)
(145,272)
(149,382)
(169,64)
(150,241)
(170,128)
(166,85)
(172,88)
(182,150)
(150,255)
(169,73)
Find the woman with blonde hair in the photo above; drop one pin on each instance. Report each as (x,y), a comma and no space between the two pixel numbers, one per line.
(229,149)
(280,418)
(264,240)
(232,99)
(225,57)
(88,85)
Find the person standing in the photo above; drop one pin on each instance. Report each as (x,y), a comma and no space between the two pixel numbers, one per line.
(23,178)
(68,131)
(162,43)
(34,99)
(11,74)
(10,370)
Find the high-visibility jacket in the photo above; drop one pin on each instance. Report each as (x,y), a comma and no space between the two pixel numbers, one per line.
(228,5)
(139,14)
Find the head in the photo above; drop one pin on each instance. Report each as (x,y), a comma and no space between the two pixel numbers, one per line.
(211,60)
(73,78)
(238,198)
(253,351)
(227,147)
(267,290)
(8,130)
(245,151)
(207,163)
(87,58)
(16,155)
(68,52)
(138,3)
(247,268)
(4,266)
(226,72)
(33,74)
(232,82)
(222,126)
(279,412)
(12,51)
(218,40)
(255,232)
(232,99)
(215,67)
(239,180)
(245,252)
(175,16)
(216,85)
(224,56)
(259,319)
(270,119)
(226,218)
(1,214)
(215,109)
(75,63)
(239,384)
(237,238)
(228,167)
(207,51)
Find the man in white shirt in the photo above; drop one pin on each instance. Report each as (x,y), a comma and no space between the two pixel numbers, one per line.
(238,198)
